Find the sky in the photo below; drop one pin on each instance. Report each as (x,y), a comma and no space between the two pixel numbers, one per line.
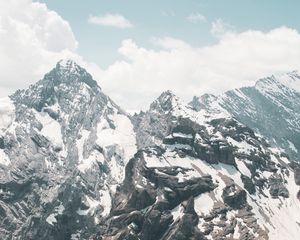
(136,49)
(167,18)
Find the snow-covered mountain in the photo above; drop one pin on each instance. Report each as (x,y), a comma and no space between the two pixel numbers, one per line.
(64,147)
(271,108)
(75,166)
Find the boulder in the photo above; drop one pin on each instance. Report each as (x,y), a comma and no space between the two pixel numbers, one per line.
(234,196)
(277,187)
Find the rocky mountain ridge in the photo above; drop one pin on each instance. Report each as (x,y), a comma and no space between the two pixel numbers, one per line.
(271,108)
(75,166)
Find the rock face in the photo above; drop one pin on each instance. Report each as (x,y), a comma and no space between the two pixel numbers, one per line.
(142,207)
(234,196)
(277,187)
(74,165)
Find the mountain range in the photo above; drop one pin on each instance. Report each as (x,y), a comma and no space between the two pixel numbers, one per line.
(74,165)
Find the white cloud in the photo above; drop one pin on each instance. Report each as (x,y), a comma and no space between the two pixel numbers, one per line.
(219,28)
(238,59)
(111,20)
(32,40)
(170,43)
(196,17)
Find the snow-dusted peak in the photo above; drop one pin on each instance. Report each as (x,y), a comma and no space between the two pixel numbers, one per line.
(291,80)
(268,84)
(68,64)
(166,97)
(279,83)
(67,81)
(69,67)
(167,102)
(68,70)
(7,114)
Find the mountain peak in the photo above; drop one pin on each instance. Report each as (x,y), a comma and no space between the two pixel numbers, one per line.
(69,71)
(167,96)
(278,82)
(68,65)
(291,80)
(67,78)
(165,102)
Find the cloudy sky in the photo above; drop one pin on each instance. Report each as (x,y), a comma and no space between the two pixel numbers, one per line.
(136,49)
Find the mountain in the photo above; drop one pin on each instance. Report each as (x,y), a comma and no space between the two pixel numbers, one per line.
(271,108)
(74,165)
(203,175)
(64,146)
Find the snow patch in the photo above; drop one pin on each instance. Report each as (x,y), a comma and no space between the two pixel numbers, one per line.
(182,135)
(292,146)
(242,146)
(51,128)
(177,212)
(290,80)
(92,204)
(4,159)
(203,204)
(7,113)
(118,142)
(105,201)
(123,135)
(75,236)
(243,168)
(51,219)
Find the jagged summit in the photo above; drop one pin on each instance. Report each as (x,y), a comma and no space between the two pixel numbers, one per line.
(68,71)
(166,102)
(167,93)
(165,97)
(67,64)
(66,81)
